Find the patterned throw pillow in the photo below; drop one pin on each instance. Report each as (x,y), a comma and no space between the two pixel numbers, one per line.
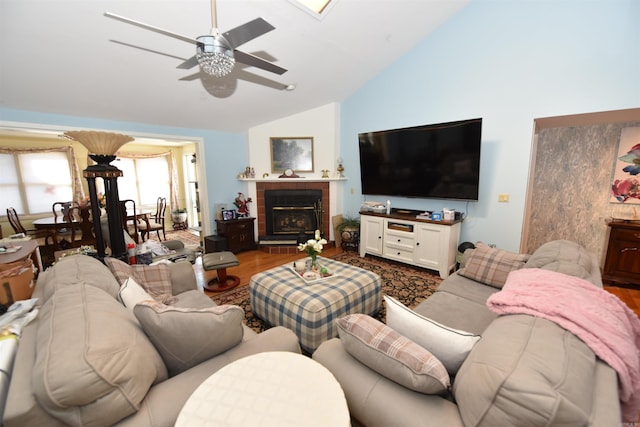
(390,354)
(450,346)
(155,279)
(185,337)
(492,266)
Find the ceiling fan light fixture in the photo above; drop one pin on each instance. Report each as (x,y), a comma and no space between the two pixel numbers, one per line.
(214,55)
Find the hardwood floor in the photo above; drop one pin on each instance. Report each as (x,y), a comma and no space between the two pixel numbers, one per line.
(631,297)
(253,262)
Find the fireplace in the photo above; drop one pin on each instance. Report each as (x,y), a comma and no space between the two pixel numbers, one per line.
(292,213)
(286,209)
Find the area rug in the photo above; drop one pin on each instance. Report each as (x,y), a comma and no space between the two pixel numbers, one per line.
(409,285)
(188,238)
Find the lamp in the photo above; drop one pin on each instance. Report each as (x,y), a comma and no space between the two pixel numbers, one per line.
(340,168)
(214,55)
(102,147)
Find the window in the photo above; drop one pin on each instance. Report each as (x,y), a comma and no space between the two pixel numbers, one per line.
(144,179)
(32,181)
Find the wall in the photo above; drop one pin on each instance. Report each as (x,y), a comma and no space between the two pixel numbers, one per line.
(321,123)
(507,62)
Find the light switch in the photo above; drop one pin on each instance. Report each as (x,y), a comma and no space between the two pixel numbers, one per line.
(503,198)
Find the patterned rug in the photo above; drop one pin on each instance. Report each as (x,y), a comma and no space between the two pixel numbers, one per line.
(409,285)
(188,238)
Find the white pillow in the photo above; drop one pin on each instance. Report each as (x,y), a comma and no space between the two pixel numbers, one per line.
(131,293)
(450,346)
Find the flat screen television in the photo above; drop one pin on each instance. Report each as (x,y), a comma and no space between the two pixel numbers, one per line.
(438,161)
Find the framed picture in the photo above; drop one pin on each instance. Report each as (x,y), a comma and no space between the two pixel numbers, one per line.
(228,214)
(624,186)
(294,153)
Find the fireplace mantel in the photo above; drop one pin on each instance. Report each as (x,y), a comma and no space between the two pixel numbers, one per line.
(284,180)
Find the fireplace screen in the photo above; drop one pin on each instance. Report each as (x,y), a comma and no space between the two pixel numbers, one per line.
(293,212)
(294,220)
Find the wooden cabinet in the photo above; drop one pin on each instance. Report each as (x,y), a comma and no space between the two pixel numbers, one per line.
(622,263)
(425,243)
(239,234)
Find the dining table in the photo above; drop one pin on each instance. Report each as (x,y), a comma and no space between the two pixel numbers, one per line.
(55,225)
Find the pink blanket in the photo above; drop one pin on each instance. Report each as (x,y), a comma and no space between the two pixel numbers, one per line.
(597,317)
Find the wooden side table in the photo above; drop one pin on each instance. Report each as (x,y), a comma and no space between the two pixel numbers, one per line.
(622,263)
(238,232)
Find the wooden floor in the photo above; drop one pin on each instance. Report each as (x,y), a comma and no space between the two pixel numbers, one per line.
(253,262)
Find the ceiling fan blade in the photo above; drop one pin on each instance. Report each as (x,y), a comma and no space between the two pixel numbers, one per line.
(254,61)
(151,27)
(246,32)
(189,63)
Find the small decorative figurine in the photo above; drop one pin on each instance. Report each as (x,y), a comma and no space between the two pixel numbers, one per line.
(243,205)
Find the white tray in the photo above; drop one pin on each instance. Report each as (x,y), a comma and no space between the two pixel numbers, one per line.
(315,278)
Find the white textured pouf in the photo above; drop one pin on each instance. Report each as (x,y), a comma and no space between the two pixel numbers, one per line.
(277,389)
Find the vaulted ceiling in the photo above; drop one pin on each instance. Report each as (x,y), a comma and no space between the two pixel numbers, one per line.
(66,57)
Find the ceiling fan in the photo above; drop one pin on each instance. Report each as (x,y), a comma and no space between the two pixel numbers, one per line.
(217,53)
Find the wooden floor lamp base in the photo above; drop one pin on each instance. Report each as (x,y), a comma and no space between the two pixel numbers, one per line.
(223,282)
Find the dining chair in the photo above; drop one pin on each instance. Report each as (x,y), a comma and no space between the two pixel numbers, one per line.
(44,237)
(62,213)
(61,210)
(155,222)
(72,236)
(130,218)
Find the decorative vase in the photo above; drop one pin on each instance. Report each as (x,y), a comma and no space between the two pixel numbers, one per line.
(179,217)
(314,263)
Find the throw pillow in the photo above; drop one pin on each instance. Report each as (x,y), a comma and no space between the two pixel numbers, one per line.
(450,346)
(390,354)
(185,337)
(155,279)
(492,266)
(131,293)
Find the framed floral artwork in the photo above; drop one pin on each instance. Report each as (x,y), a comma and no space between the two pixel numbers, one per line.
(295,153)
(625,186)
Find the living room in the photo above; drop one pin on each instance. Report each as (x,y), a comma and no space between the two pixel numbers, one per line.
(559,64)
(510,63)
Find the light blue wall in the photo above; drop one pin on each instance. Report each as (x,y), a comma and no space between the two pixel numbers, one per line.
(507,62)
(225,154)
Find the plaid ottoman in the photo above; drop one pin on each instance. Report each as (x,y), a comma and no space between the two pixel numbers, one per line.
(280,297)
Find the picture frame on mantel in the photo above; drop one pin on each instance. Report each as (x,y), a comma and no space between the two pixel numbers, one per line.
(295,153)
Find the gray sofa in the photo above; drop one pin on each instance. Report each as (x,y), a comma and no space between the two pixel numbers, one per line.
(89,360)
(523,370)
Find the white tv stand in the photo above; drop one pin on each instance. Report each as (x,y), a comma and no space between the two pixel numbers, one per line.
(400,236)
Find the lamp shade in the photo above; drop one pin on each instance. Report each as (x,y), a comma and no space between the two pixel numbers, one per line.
(100,143)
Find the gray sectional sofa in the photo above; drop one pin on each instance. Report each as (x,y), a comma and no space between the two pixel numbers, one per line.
(88,359)
(522,370)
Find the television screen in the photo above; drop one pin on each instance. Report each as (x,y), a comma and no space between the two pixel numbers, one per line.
(439,161)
